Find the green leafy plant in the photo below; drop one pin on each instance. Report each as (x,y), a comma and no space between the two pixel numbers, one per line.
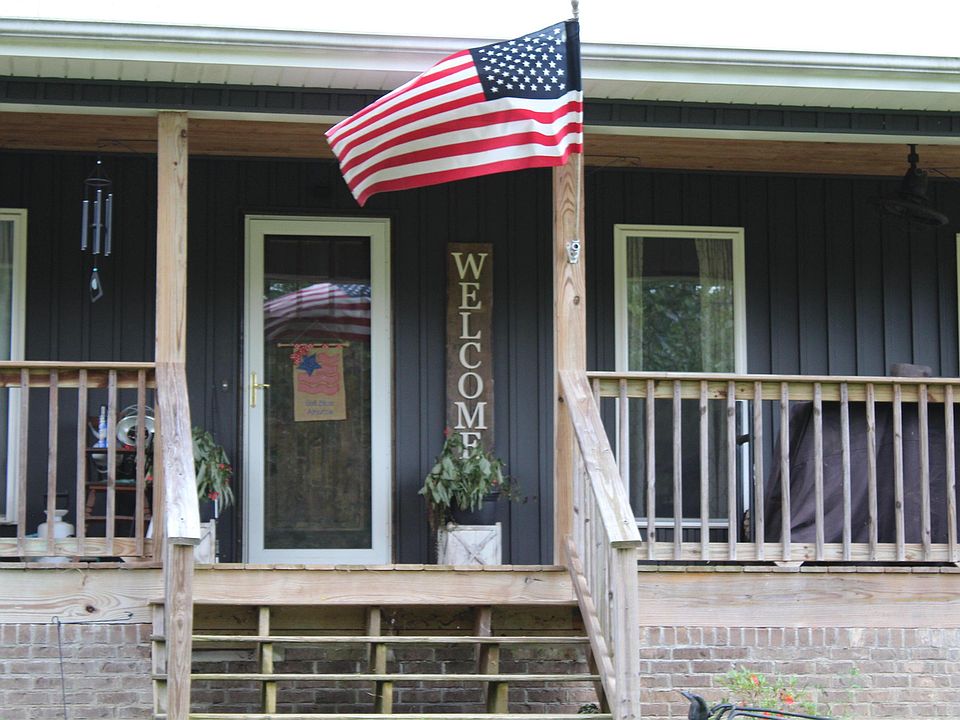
(461,477)
(211,466)
(213,469)
(752,689)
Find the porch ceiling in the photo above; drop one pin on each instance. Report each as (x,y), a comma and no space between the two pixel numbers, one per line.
(604,147)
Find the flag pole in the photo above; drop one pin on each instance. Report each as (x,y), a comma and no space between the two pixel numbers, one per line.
(569,333)
(569,329)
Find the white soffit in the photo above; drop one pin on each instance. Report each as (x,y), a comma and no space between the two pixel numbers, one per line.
(162,53)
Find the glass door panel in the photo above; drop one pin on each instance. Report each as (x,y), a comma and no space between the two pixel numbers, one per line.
(316,353)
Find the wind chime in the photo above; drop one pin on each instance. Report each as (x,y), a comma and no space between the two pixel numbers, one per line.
(96,232)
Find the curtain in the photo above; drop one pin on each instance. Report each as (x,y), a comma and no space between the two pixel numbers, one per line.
(716,304)
(635,303)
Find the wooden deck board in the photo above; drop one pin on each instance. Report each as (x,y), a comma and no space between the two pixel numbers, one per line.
(669,595)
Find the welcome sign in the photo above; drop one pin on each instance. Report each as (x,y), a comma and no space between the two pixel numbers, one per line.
(469,342)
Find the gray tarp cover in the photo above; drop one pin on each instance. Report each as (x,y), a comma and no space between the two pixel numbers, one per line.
(803,484)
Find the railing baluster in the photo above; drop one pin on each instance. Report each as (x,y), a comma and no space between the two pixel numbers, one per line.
(81,499)
(704,474)
(22,458)
(677,474)
(818,464)
(925,534)
(758,479)
(898,468)
(951,475)
(52,438)
(839,530)
(111,460)
(845,460)
(872,467)
(651,472)
(140,501)
(785,515)
(623,458)
(732,532)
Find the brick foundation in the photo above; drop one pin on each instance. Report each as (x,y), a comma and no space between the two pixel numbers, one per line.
(901,673)
(106,672)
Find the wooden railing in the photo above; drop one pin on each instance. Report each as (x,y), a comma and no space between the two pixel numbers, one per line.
(787,468)
(602,552)
(109,506)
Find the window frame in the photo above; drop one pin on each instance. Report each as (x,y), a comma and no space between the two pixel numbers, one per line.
(18,216)
(621,232)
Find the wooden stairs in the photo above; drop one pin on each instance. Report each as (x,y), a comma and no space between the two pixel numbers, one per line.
(386,662)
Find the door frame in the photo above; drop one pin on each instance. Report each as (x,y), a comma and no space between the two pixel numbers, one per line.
(381,390)
(18,218)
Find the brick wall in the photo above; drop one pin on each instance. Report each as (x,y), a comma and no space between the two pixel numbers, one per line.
(106,672)
(859,672)
(900,673)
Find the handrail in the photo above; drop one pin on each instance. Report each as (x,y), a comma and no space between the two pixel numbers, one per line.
(613,504)
(817,447)
(602,552)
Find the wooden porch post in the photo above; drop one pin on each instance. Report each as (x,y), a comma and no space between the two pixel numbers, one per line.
(170,351)
(569,335)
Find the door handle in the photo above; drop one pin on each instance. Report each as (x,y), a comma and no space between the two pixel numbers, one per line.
(254,386)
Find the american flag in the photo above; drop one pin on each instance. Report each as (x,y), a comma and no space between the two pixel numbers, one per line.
(505,106)
(322,311)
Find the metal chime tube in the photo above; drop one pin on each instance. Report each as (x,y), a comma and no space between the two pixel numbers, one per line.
(108,226)
(85,222)
(96,221)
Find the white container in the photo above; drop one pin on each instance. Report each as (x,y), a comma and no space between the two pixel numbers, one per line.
(61,529)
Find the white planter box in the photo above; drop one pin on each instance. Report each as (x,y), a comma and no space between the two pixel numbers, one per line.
(469,545)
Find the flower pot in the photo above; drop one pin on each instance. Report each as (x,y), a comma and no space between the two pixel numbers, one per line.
(486,514)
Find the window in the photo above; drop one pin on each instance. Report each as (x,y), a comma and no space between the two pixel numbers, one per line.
(680,307)
(13,262)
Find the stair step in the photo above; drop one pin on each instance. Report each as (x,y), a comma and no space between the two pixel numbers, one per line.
(398,639)
(392,716)
(396,677)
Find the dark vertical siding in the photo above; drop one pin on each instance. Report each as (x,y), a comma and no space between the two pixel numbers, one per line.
(830,288)
(512,212)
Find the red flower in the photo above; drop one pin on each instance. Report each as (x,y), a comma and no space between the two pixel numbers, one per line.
(787,698)
(446,432)
(213,494)
(754,679)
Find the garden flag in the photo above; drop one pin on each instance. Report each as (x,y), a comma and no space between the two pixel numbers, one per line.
(505,106)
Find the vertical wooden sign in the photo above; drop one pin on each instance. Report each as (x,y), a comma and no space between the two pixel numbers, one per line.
(469,342)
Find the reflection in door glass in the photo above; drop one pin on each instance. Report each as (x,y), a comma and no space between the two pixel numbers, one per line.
(316,316)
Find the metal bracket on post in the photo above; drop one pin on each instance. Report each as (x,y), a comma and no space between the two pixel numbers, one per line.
(573,251)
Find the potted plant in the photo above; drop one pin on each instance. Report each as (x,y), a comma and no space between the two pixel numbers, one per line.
(462,480)
(213,469)
(211,466)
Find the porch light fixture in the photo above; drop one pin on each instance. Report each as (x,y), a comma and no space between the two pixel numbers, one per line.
(910,202)
(96,230)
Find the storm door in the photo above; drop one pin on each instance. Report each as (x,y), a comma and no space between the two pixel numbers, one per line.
(680,308)
(317,392)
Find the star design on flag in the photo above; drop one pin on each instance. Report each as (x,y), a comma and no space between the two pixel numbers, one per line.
(309,364)
(525,68)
